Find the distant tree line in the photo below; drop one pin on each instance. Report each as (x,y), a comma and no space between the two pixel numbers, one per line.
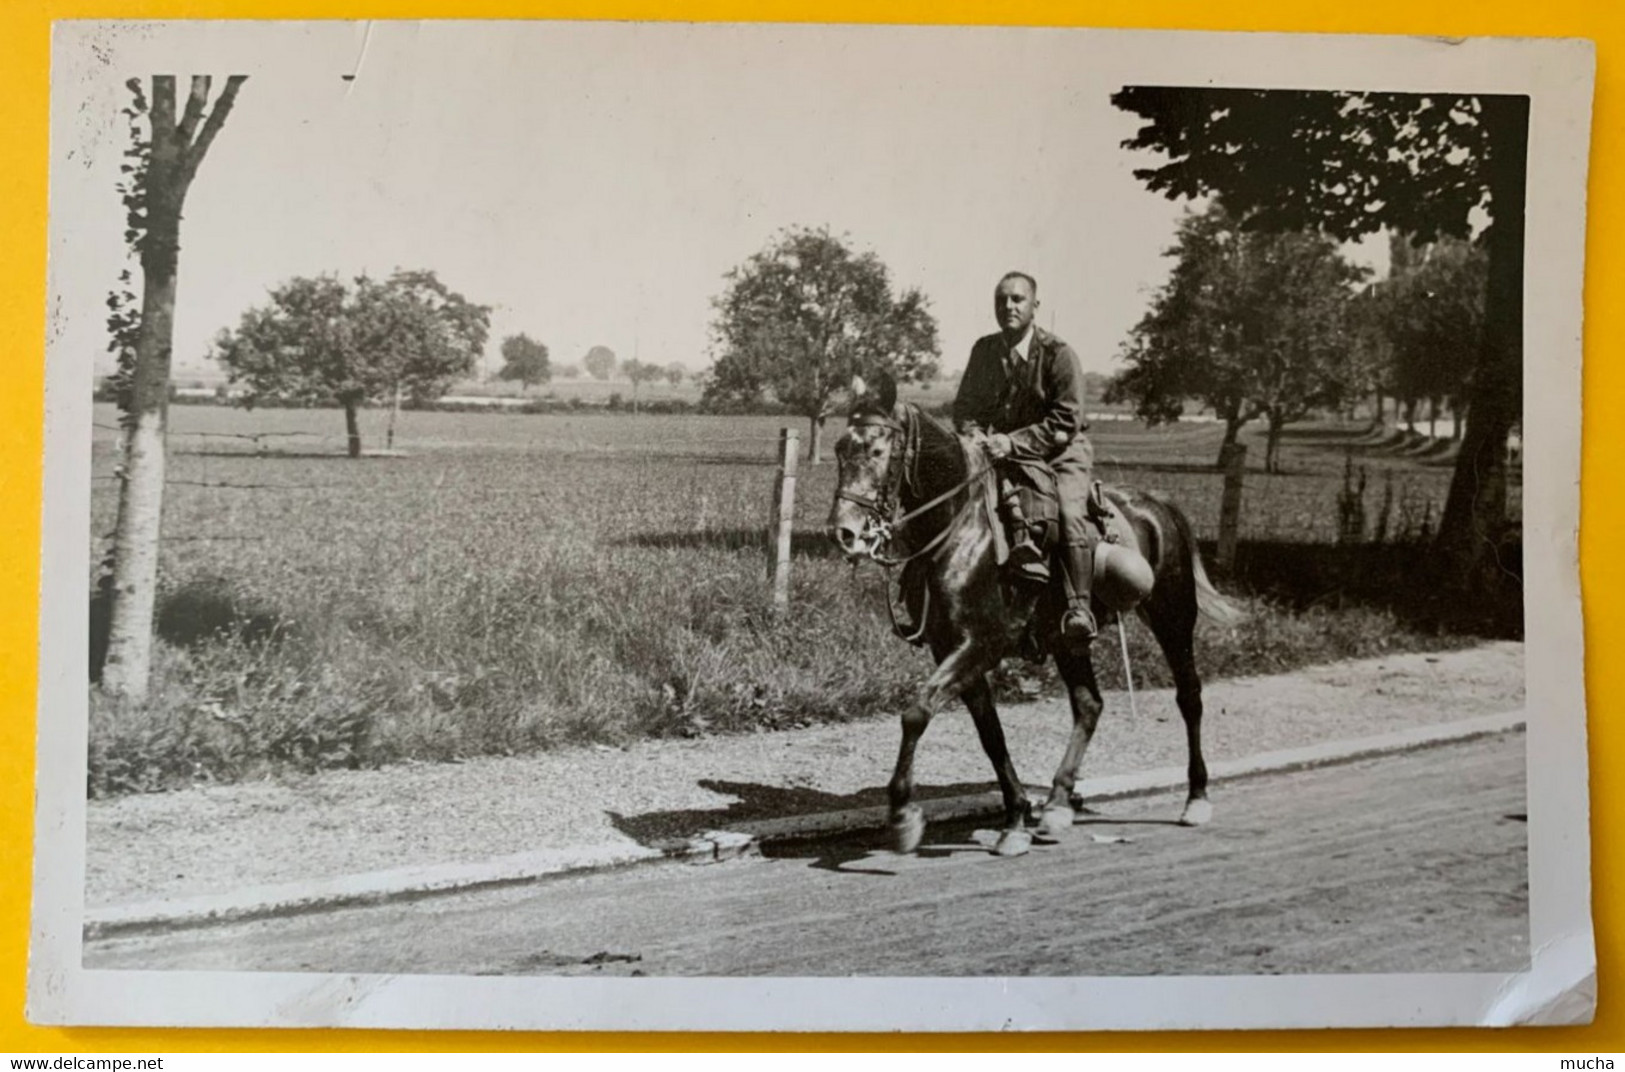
(1276,326)
(1427,166)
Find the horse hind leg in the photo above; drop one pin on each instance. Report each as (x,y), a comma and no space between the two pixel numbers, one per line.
(1083,692)
(1175,629)
(1188,693)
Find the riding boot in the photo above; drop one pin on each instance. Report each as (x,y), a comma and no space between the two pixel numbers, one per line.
(1078,623)
(1027,561)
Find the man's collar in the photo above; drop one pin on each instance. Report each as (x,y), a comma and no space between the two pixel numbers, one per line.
(1024,348)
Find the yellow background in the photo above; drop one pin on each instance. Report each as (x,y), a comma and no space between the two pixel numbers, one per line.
(24,51)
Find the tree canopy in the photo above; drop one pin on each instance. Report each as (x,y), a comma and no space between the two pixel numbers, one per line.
(1344,163)
(1350,164)
(1251,323)
(320,341)
(1431,311)
(599,362)
(803,316)
(524,359)
(639,373)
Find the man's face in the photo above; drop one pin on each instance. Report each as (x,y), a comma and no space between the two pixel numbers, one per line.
(1013,306)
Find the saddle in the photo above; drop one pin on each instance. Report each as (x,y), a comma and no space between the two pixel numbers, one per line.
(1040,506)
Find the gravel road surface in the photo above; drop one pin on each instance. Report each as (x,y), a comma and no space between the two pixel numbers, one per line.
(1406,863)
(222,838)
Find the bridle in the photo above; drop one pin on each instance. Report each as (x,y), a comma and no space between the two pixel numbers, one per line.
(902,471)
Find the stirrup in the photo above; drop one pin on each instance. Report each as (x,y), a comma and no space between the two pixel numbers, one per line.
(1078,625)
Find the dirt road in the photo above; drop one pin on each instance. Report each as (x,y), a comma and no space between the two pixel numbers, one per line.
(219,839)
(1407,863)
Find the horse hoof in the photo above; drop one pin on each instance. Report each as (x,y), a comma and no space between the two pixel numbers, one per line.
(1056,821)
(1197,813)
(907,829)
(1013,843)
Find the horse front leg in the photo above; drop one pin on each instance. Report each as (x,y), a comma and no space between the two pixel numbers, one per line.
(1014,839)
(905,826)
(956,671)
(1078,671)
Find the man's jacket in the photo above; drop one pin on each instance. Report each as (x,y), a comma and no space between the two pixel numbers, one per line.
(1040,408)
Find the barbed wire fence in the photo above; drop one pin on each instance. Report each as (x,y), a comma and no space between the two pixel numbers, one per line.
(264,444)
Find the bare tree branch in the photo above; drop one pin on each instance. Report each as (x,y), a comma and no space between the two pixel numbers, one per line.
(196,101)
(211,126)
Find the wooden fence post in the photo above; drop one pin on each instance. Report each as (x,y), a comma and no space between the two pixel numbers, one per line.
(782,524)
(1235,472)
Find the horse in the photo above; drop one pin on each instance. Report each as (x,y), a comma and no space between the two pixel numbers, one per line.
(910,490)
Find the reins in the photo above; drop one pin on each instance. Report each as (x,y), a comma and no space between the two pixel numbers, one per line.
(936,541)
(909,462)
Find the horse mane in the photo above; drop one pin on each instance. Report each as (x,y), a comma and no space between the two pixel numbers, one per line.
(941,454)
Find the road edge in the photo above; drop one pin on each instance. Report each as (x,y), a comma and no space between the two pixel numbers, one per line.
(412,883)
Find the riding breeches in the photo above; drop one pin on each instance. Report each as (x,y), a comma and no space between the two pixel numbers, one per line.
(1074,471)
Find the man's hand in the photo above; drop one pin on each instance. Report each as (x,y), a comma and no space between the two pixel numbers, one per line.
(997,446)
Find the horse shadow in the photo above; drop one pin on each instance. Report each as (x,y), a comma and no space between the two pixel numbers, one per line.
(755,802)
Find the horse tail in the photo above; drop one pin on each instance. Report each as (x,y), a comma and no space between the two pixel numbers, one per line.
(1209,603)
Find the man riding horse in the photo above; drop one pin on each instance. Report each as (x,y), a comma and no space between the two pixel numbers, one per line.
(1022,398)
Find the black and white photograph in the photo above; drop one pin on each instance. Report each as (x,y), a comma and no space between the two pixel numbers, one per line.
(671,526)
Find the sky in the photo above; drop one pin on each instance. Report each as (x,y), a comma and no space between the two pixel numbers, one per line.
(595,182)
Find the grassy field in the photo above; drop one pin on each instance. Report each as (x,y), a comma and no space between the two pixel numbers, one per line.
(509,582)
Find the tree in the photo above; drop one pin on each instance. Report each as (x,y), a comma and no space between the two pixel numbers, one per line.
(640,372)
(320,342)
(1253,324)
(599,362)
(160,166)
(804,315)
(420,334)
(675,373)
(1349,164)
(569,372)
(524,359)
(1432,316)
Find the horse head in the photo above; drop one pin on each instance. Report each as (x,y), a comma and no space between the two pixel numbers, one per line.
(869,458)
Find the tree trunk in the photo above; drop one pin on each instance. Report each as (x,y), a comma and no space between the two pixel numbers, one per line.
(175,150)
(352,428)
(1272,449)
(815,441)
(1475,510)
(1410,415)
(1433,417)
(394,412)
(128,669)
(1232,431)
(1458,417)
